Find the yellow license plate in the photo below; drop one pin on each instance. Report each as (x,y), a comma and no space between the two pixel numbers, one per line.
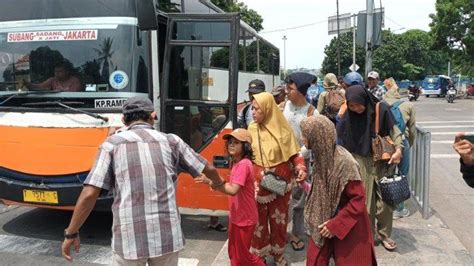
(41,196)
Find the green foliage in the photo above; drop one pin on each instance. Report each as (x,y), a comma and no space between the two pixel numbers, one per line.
(248,15)
(402,56)
(451,29)
(330,61)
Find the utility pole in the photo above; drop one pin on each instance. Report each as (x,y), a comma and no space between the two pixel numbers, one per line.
(369,33)
(354,41)
(338,42)
(284,53)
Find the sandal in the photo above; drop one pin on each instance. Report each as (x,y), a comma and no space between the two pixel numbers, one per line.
(218,227)
(296,245)
(389,244)
(281,262)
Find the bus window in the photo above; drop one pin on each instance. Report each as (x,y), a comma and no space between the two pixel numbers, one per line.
(193,75)
(196,124)
(196,30)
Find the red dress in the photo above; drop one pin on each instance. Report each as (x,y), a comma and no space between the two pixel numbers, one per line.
(353,243)
(270,233)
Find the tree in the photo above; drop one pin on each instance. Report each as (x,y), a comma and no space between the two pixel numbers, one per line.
(105,56)
(330,60)
(389,58)
(248,15)
(451,28)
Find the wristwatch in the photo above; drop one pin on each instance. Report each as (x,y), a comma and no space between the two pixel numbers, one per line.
(70,236)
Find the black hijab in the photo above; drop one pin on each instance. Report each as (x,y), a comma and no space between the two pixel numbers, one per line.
(355,131)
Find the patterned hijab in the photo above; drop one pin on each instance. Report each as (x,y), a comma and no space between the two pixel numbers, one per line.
(333,168)
(274,135)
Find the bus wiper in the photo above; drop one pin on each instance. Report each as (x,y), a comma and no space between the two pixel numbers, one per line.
(48,103)
(13,95)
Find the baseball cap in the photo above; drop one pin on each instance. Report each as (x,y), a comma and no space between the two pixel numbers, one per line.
(352,78)
(240,134)
(256,86)
(373,75)
(277,90)
(136,104)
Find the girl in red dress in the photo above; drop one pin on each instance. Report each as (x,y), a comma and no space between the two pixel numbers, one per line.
(335,209)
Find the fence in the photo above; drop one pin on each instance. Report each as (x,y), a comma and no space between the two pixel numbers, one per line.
(419,172)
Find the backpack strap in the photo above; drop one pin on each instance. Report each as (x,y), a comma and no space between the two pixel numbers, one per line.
(397,104)
(310,110)
(244,114)
(377,111)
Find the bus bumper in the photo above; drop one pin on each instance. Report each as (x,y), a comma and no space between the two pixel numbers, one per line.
(58,196)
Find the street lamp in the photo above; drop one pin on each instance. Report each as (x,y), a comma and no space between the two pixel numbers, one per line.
(284,53)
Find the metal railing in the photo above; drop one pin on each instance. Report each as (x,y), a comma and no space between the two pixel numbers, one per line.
(419,173)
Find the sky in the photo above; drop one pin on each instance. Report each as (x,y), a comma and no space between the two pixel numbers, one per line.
(305,46)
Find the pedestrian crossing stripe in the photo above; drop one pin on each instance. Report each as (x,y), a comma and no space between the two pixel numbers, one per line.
(88,253)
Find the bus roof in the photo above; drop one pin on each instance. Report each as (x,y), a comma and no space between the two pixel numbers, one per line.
(16,10)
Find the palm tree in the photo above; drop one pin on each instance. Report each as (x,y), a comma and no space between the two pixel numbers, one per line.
(105,56)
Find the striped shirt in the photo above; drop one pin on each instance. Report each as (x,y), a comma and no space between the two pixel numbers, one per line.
(141,166)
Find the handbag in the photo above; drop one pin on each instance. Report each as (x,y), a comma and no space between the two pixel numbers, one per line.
(394,189)
(271,181)
(382,147)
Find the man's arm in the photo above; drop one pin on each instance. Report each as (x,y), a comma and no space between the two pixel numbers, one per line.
(84,206)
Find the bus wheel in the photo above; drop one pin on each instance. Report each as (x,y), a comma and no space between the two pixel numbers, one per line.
(427,96)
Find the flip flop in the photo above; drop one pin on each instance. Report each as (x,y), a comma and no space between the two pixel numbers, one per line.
(218,227)
(389,244)
(295,245)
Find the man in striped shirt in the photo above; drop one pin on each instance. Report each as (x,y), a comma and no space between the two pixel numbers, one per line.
(140,165)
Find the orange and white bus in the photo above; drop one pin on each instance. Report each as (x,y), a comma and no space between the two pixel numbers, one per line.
(67,66)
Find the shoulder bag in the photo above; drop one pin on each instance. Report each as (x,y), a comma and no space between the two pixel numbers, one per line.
(382,147)
(270,180)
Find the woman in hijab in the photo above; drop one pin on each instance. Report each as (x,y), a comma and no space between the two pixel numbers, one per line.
(276,149)
(355,132)
(335,210)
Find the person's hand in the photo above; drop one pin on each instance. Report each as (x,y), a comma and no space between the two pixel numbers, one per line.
(396,157)
(203,179)
(464,148)
(324,231)
(301,175)
(66,247)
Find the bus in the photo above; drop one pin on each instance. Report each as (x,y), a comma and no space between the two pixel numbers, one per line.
(435,85)
(67,66)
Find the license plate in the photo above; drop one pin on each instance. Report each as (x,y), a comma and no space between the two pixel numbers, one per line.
(40,196)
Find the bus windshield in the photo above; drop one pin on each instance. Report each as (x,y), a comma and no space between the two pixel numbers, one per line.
(79,60)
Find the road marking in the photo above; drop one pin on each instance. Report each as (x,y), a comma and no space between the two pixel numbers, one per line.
(444,133)
(442,122)
(88,253)
(444,156)
(442,141)
(456,126)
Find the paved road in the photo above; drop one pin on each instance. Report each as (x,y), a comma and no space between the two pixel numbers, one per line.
(33,236)
(450,197)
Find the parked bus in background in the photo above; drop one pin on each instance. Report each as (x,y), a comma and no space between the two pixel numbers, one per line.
(67,66)
(435,85)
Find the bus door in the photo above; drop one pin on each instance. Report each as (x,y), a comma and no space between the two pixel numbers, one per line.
(198,96)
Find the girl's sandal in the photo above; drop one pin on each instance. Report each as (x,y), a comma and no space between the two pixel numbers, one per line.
(389,244)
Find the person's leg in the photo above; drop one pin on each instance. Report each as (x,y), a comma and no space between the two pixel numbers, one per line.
(368,172)
(169,259)
(298,230)
(240,238)
(117,260)
(278,212)
(261,237)
(215,225)
(384,221)
(403,168)
(318,256)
